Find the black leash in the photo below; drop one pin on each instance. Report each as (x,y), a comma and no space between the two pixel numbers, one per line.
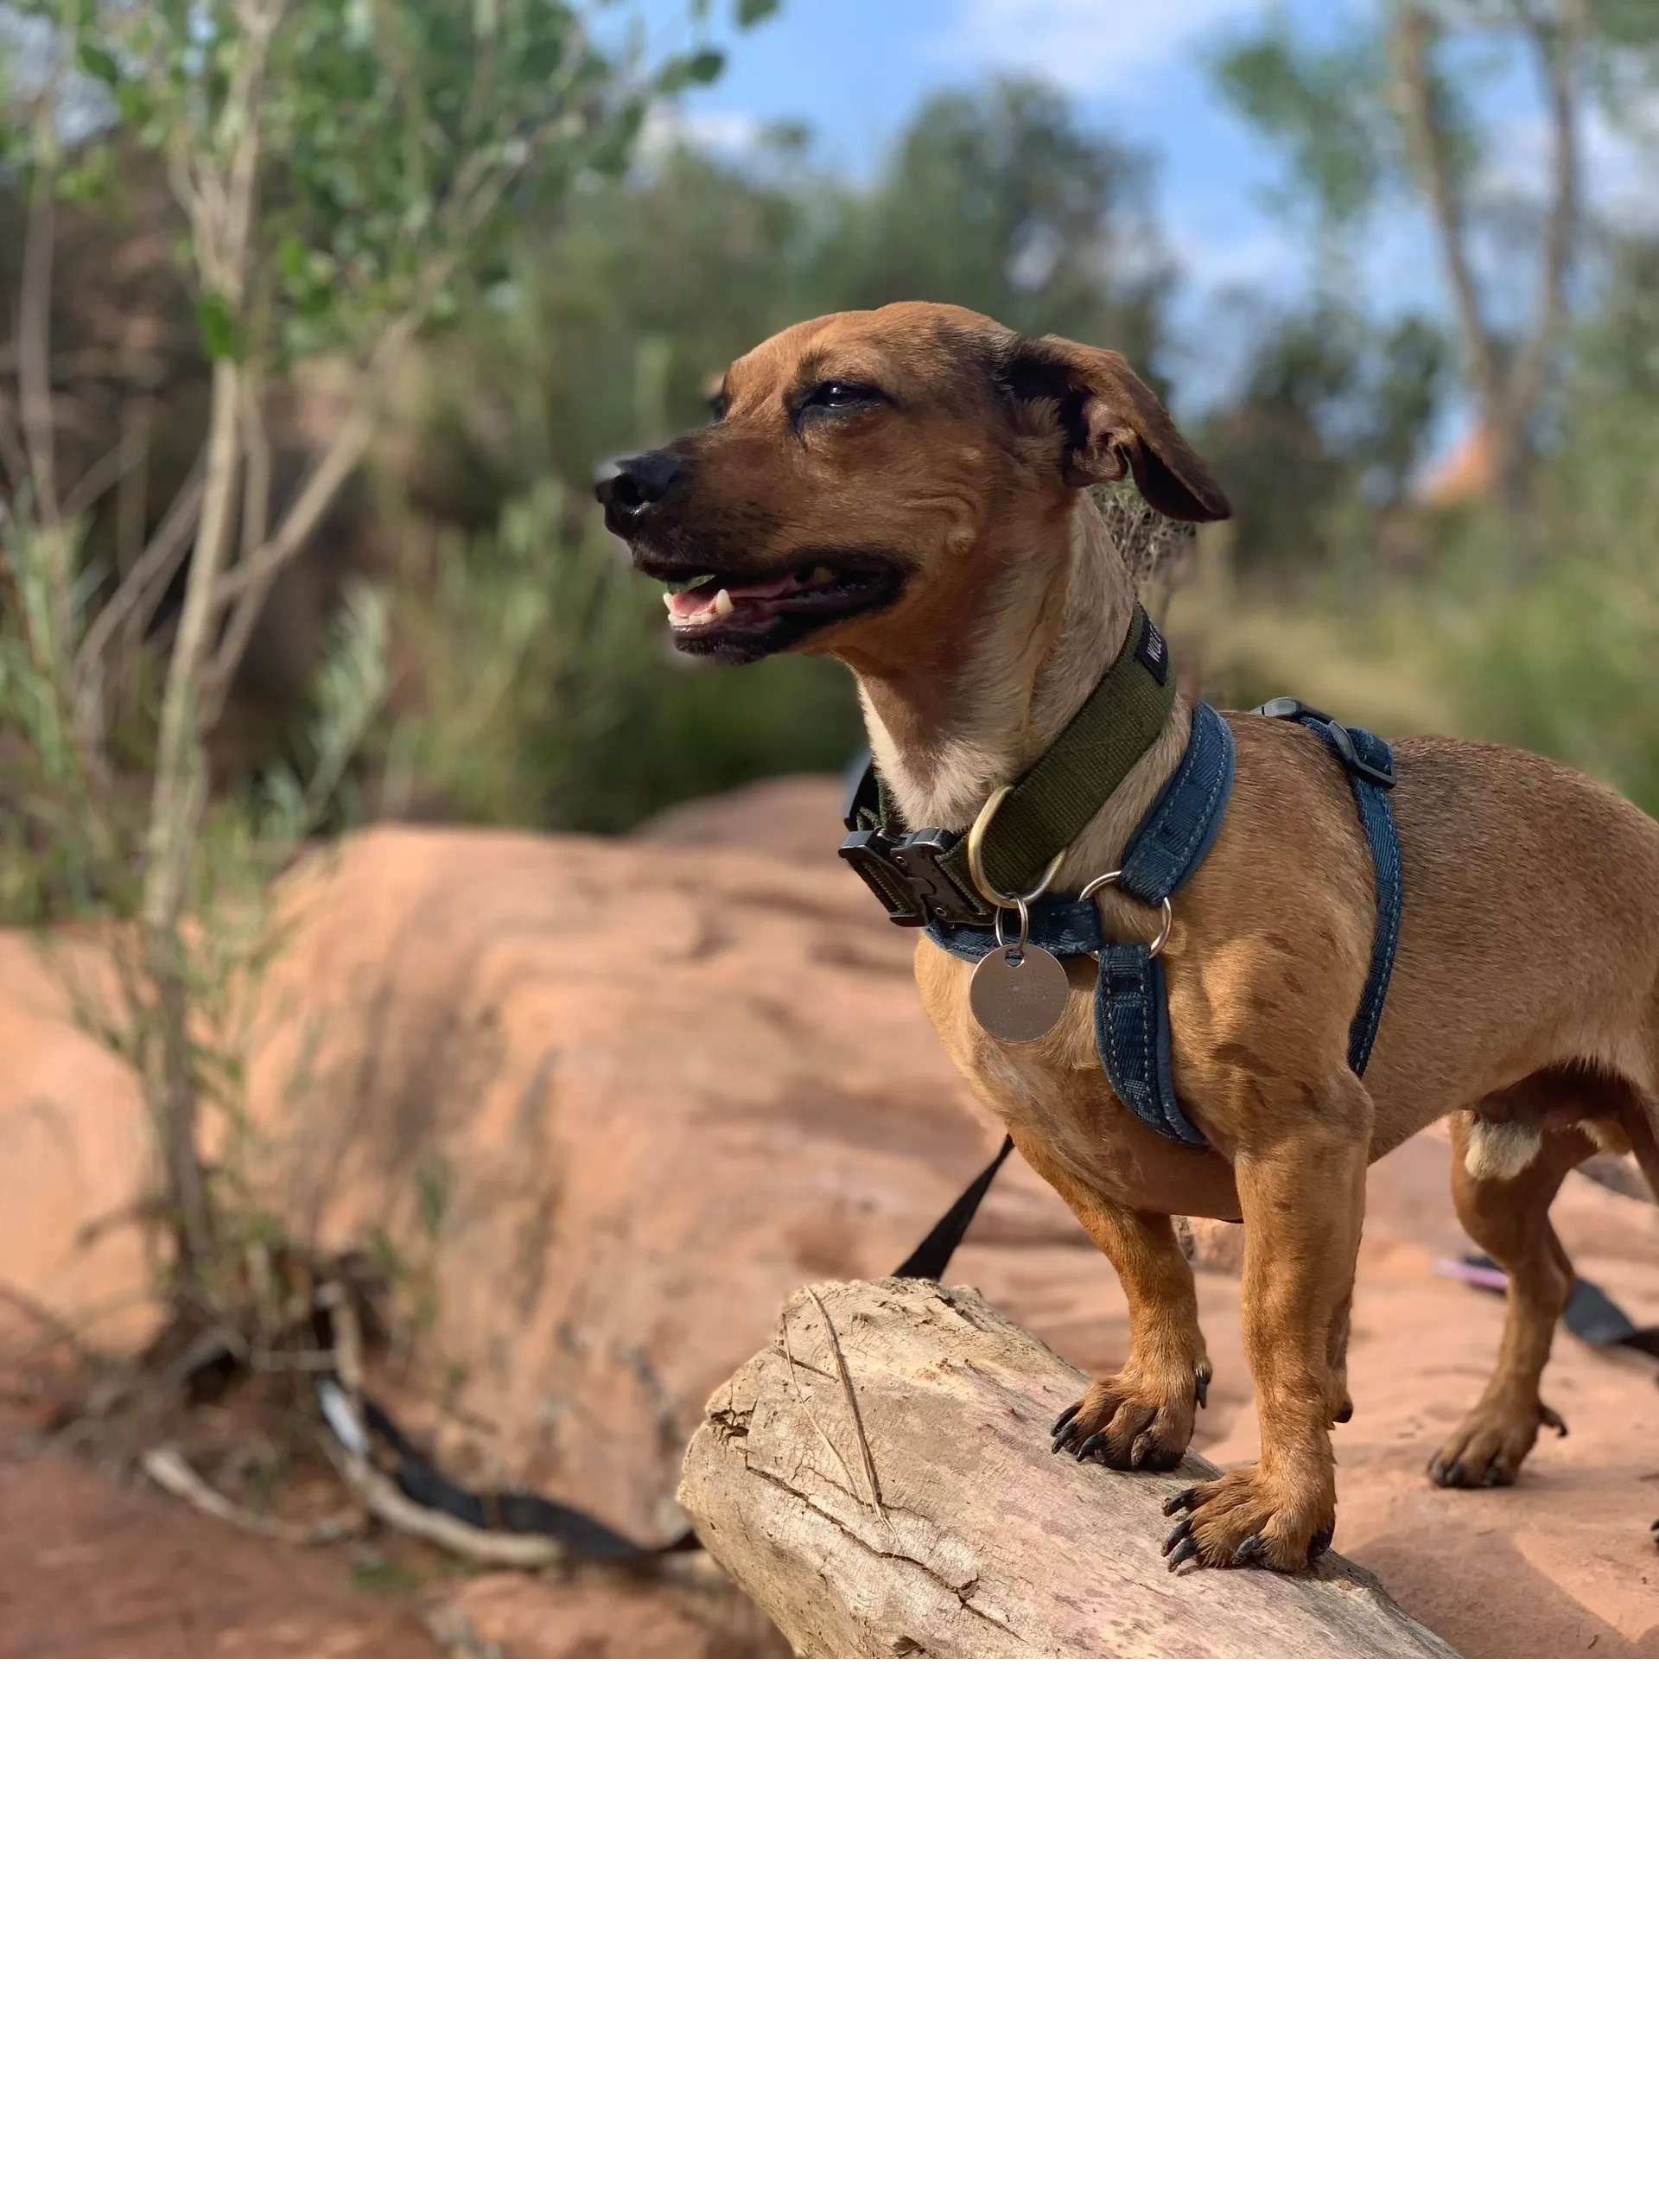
(513,1512)
(928,1263)
(517,1512)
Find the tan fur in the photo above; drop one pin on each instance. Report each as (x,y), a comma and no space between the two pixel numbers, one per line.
(1525,998)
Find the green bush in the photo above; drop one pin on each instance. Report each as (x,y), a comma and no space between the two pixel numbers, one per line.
(552,698)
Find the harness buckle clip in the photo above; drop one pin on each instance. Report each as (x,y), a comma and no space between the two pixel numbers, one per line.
(1380,773)
(1340,738)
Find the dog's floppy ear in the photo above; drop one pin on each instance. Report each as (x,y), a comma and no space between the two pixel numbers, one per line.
(1110,424)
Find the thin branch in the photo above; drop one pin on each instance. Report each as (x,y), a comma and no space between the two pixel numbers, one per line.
(1413,30)
(226,657)
(255,484)
(1560,45)
(171,1472)
(133,496)
(112,467)
(35,331)
(147,577)
(11,445)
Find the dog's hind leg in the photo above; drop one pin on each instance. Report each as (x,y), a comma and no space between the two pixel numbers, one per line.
(1508,1215)
(1141,1418)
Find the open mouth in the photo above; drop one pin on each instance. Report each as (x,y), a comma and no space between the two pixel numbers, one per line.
(737,617)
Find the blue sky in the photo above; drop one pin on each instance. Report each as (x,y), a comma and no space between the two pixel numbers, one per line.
(855,69)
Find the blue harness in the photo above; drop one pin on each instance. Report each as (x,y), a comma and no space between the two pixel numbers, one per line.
(1131,1005)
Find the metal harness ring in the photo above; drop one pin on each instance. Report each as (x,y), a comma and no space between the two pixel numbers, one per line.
(1167,924)
(992,897)
(1015,951)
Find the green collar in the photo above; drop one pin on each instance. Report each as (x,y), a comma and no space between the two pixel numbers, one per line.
(1061,794)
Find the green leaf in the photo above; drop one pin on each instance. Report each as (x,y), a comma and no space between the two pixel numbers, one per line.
(748,13)
(220,333)
(700,68)
(98,62)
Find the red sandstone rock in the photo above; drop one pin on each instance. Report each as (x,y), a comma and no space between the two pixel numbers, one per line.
(661,1082)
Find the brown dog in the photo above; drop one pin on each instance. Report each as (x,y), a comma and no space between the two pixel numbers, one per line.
(906,489)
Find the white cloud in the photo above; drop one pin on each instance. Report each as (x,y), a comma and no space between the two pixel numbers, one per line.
(1088,45)
(667,127)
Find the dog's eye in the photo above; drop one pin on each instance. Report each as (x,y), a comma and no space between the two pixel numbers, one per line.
(718,404)
(837,398)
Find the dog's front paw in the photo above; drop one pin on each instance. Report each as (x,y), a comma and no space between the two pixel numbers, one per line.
(1246,1520)
(1132,1422)
(1485,1452)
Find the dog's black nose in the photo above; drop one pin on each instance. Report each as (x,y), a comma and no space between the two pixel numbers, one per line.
(626,487)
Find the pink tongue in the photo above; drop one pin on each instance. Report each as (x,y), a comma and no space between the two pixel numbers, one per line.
(684,604)
(773,587)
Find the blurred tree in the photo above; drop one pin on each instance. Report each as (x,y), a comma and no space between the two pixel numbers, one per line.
(1334,410)
(344,170)
(637,291)
(1394,106)
(1001,199)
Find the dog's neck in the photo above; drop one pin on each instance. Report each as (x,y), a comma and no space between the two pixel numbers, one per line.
(1018,658)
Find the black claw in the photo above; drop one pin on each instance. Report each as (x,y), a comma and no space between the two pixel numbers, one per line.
(1185,1550)
(1177,1535)
(1448,1474)
(1201,1386)
(1060,1422)
(1320,1543)
(1551,1418)
(1095,1448)
(1184,1500)
(1252,1548)
(1066,1441)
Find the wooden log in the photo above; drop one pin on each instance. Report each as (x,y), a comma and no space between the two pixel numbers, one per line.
(879,1480)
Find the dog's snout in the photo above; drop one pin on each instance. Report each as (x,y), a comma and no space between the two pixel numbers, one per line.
(628,487)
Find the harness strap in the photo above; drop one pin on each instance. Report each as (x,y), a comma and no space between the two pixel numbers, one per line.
(1131,1002)
(1132,1027)
(1369,764)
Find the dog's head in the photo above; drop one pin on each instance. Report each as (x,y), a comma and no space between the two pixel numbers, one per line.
(864,472)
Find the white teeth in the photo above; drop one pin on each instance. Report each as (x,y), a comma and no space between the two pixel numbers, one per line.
(722,604)
(668,601)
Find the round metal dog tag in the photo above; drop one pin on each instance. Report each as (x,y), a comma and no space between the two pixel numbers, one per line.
(1016,996)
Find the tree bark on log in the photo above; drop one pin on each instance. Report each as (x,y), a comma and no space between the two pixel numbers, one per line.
(879,1480)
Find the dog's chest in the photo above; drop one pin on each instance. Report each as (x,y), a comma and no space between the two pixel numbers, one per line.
(1053,1093)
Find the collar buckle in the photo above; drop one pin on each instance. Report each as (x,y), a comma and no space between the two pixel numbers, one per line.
(907,875)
